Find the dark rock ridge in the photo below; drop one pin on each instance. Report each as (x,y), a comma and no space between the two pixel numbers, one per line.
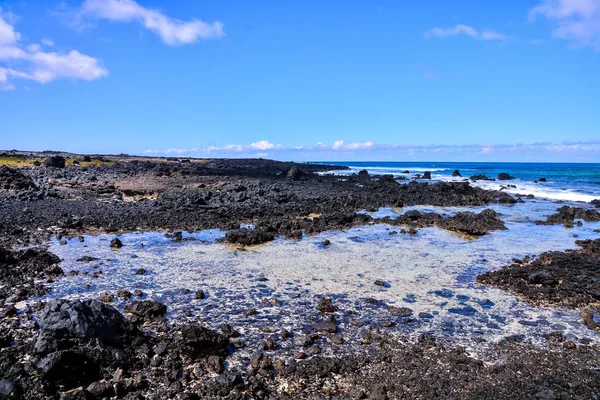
(126,195)
(567,279)
(566,216)
(475,224)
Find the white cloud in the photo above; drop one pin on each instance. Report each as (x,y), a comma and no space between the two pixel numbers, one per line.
(263,145)
(8,36)
(576,20)
(337,145)
(171,31)
(341,145)
(461,29)
(48,42)
(31,63)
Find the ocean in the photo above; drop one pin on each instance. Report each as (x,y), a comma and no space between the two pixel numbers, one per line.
(564,181)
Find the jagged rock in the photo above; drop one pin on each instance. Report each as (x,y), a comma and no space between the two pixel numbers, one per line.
(62,319)
(146,311)
(13,179)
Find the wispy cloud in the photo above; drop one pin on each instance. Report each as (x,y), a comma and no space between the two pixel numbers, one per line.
(576,20)
(172,31)
(371,151)
(465,30)
(18,61)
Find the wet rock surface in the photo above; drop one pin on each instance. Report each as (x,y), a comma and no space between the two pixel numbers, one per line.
(568,279)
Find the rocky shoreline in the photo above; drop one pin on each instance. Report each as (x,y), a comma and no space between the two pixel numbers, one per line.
(71,349)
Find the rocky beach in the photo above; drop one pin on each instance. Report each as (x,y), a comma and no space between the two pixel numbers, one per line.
(181,278)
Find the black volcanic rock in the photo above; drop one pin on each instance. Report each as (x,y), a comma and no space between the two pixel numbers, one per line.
(503,176)
(55,162)
(13,179)
(248,237)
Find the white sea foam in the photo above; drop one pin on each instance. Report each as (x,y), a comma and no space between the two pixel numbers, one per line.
(538,190)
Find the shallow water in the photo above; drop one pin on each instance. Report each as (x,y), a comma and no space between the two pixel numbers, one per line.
(433,273)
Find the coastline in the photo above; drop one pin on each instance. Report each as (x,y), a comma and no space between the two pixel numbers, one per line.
(118,196)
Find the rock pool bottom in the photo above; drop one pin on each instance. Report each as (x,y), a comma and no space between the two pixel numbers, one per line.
(432,273)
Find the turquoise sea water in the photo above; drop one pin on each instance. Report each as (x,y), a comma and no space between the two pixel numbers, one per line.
(565,181)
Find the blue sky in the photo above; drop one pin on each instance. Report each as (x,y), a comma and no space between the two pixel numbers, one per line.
(314,80)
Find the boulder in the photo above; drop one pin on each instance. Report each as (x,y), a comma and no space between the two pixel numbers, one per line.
(203,341)
(146,311)
(426,175)
(116,243)
(456,173)
(248,237)
(55,162)
(480,178)
(503,176)
(326,306)
(327,326)
(542,180)
(295,174)
(62,320)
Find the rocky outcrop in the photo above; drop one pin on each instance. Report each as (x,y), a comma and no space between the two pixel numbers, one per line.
(567,279)
(566,216)
(55,162)
(474,224)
